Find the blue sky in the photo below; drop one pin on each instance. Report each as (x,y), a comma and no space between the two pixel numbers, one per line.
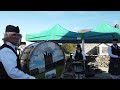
(38,21)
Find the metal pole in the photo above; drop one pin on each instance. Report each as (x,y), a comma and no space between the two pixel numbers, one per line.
(83,49)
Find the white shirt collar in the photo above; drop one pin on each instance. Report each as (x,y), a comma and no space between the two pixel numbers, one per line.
(21,48)
(10,44)
(78,50)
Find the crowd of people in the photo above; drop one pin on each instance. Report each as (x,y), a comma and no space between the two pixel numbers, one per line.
(10,63)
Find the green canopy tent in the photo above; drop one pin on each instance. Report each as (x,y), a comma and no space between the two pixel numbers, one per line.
(104,33)
(57,33)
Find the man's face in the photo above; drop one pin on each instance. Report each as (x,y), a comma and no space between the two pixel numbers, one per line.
(14,37)
(23,46)
(114,43)
(78,48)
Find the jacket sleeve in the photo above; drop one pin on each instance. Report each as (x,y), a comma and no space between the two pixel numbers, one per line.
(73,56)
(8,59)
(84,56)
(110,53)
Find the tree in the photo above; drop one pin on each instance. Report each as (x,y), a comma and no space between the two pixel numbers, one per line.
(68,48)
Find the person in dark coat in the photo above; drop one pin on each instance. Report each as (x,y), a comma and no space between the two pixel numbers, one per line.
(114,65)
(78,54)
(10,67)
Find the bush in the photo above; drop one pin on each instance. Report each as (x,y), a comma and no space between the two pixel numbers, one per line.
(68,48)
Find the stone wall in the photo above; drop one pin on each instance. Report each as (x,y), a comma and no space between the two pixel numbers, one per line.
(93,48)
(98,60)
(102,61)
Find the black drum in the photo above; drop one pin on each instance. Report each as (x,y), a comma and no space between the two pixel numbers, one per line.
(45,60)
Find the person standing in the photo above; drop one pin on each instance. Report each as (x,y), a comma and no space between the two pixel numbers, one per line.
(78,54)
(22,46)
(20,50)
(114,64)
(9,60)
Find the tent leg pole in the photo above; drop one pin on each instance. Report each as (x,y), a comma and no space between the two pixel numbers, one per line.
(83,49)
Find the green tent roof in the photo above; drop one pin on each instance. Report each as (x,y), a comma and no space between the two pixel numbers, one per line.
(102,33)
(57,33)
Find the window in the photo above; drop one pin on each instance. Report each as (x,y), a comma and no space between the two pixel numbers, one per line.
(103,49)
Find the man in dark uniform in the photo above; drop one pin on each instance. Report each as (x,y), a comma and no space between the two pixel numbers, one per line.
(79,59)
(9,60)
(78,54)
(114,65)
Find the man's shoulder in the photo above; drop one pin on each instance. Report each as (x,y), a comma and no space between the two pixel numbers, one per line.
(109,47)
(74,51)
(82,51)
(6,52)
(5,49)
(118,47)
